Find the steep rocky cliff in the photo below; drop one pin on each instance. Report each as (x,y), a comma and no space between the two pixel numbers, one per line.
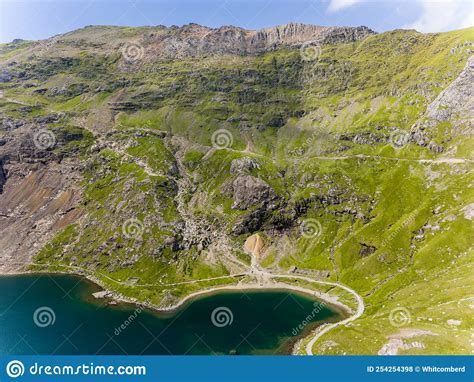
(158,43)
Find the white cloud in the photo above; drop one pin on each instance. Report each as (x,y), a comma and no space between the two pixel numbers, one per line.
(337,5)
(444,15)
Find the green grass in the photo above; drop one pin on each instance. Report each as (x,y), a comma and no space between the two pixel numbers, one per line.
(288,113)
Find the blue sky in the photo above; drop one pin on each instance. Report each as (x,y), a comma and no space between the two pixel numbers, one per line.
(38,19)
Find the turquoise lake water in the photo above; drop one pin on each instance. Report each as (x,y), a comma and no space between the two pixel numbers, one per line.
(68,321)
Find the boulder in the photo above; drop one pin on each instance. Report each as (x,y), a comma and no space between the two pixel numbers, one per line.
(248,191)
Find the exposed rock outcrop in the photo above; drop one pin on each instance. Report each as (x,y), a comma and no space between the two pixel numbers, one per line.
(243,165)
(194,40)
(39,193)
(248,191)
(457,100)
(366,249)
(398,342)
(3,176)
(33,207)
(251,222)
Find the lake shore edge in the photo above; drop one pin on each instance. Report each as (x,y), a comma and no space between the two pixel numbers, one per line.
(342,310)
(327,300)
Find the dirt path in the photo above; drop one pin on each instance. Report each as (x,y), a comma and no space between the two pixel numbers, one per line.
(357,156)
(326,328)
(248,150)
(264,280)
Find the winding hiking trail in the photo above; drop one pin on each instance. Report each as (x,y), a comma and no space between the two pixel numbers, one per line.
(355,156)
(321,330)
(326,328)
(248,150)
(264,280)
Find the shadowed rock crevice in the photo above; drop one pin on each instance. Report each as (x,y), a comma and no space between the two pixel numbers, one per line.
(3,175)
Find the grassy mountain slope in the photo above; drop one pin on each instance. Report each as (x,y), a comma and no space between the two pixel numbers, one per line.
(160,206)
